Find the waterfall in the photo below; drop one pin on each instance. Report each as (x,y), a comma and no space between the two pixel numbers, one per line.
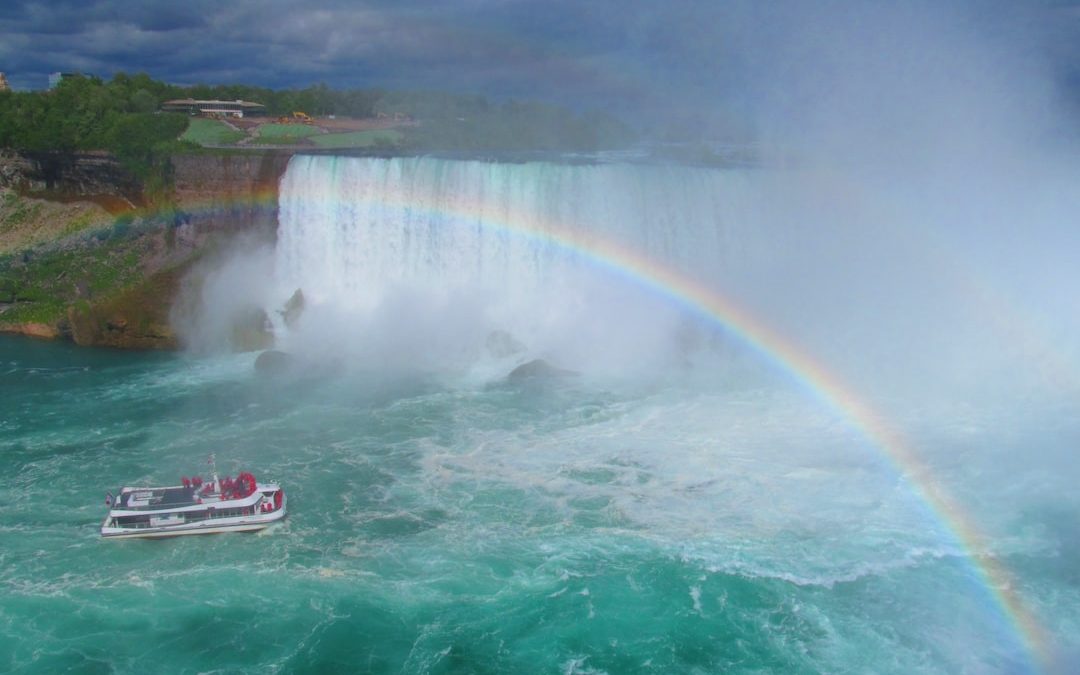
(535,248)
(350,227)
(425,262)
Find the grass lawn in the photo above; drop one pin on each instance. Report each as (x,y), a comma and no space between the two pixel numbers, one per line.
(211,132)
(271,132)
(358,139)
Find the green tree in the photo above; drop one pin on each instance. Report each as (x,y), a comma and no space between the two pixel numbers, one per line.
(143,101)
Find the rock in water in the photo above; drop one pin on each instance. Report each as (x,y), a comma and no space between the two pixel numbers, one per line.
(293,309)
(273,362)
(538,368)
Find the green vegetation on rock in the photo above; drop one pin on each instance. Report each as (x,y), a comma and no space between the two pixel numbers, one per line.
(18,212)
(97,288)
(37,285)
(26,222)
(80,222)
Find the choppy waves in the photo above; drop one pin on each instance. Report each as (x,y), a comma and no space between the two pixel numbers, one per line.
(451,526)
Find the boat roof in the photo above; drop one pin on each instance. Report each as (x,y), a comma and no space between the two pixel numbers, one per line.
(160,497)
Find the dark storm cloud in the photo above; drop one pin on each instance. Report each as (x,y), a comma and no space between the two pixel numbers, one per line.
(629,53)
(491,45)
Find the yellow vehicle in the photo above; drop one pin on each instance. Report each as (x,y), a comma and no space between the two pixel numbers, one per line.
(297,117)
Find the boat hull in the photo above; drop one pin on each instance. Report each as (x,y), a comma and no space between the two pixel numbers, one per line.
(252,523)
(180,531)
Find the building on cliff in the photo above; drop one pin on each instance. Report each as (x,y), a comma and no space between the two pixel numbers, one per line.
(4,86)
(235,108)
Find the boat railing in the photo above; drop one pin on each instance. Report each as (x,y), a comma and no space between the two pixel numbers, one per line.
(207,515)
(155,507)
(171,506)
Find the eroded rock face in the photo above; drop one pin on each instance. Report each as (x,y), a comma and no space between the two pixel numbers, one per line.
(70,175)
(230,192)
(17,171)
(133,319)
(40,330)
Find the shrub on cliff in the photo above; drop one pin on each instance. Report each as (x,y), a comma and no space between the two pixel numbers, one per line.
(138,135)
(142,143)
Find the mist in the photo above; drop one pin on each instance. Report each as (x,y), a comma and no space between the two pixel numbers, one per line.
(927,155)
(223,303)
(909,223)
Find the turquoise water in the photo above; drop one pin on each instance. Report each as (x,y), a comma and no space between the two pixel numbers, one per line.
(452,524)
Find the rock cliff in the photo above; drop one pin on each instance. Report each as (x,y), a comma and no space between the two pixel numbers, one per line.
(229,192)
(113,284)
(91,176)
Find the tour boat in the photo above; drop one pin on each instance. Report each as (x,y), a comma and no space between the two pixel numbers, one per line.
(194,507)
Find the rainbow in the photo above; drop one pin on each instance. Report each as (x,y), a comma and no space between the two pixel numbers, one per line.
(813,376)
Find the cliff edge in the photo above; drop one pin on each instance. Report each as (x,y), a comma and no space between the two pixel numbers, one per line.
(85,256)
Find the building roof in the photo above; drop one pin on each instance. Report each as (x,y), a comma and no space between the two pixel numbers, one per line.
(197,102)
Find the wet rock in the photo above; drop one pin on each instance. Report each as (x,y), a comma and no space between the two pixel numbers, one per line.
(294,308)
(538,368)
(273,362)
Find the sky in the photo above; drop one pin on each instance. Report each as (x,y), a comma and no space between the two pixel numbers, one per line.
(687,58)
